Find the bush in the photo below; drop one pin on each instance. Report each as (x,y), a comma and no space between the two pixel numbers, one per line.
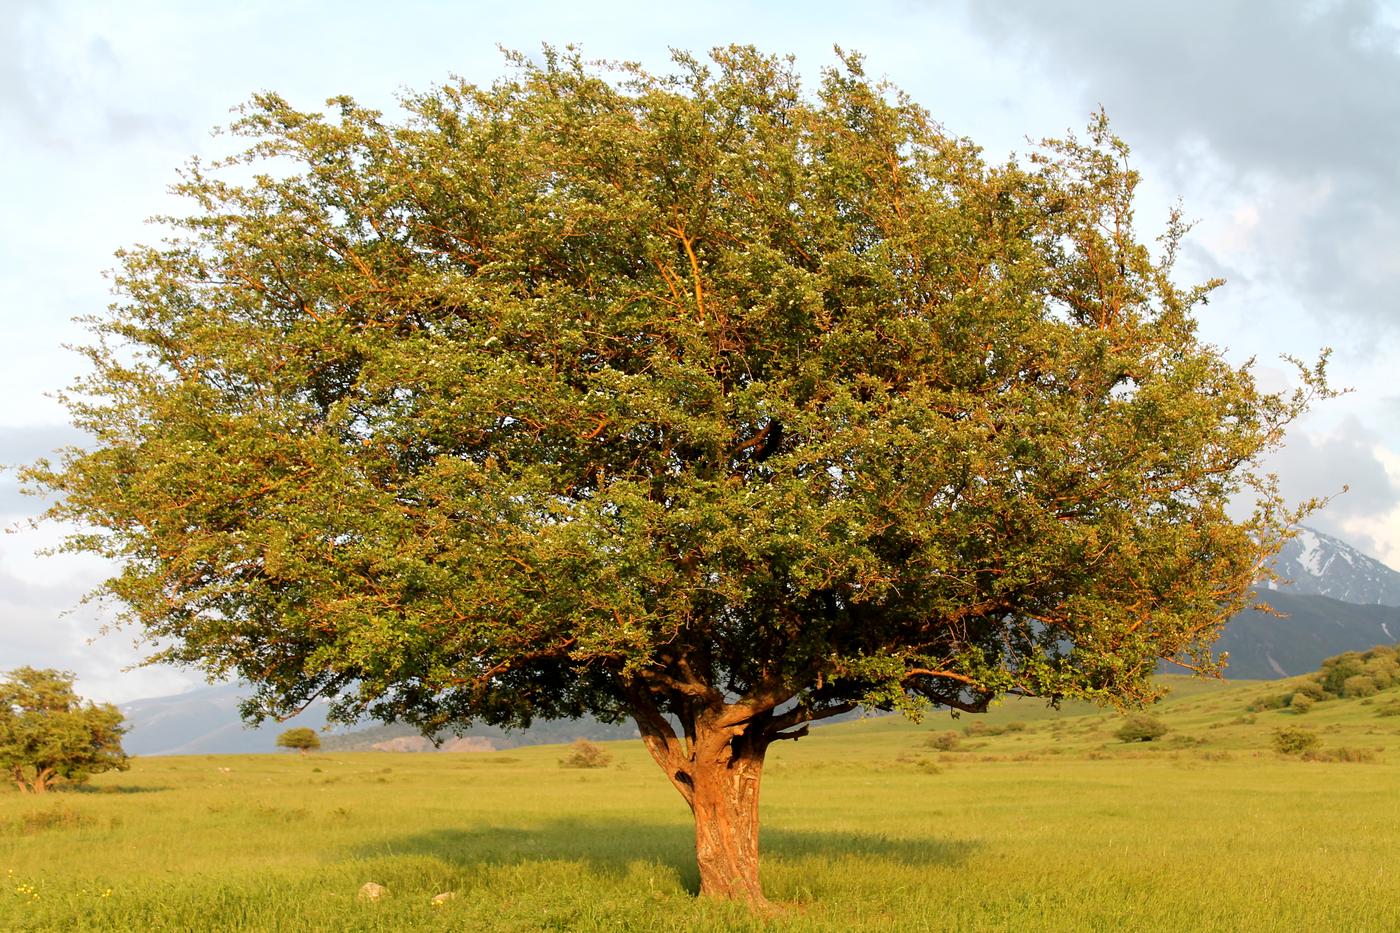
(1390,709)
(1141,728)
(1301,703)
(1294,740)
(1336,671)
(1359,685)
(944,741)
(585,754)
(1312,690)
(1015,727)
(1272,701)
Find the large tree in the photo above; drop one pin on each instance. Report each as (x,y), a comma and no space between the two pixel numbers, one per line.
(687,398)
(48,735)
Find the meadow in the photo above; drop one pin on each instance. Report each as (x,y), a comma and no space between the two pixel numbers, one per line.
(1043,821)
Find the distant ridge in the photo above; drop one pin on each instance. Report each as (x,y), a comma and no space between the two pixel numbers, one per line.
(203,721)
(1267,647)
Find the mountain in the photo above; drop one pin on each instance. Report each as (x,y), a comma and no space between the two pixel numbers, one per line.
(1266,647)
(203,721)
(1321,565)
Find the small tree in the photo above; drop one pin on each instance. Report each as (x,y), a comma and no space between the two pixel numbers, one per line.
(1141,728)
(302,739)
(47,733)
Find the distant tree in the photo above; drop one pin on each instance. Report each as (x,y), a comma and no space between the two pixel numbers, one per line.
(1141,728)
(691,398)
(47,734)
(302,739)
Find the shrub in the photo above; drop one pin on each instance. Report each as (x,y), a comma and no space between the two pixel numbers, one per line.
(1272,701)
(1384,671)
(1301,703)
(1141,728)
(585,754)
(1310,689)
(944,741)
(1015,727)
(1359,685)
(1389,709)
(1294,740)
(1336,671)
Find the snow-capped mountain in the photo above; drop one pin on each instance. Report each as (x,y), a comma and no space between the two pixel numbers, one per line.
(1321,565)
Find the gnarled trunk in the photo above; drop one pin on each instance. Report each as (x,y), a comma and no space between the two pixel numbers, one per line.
(724,800)
(717,769)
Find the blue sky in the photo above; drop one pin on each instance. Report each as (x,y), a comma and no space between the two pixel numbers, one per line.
(1277,125)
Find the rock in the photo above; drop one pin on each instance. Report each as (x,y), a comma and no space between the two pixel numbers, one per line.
(443,898)
(369,891)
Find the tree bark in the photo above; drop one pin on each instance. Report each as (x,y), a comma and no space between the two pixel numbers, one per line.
(724,801)
(717,769)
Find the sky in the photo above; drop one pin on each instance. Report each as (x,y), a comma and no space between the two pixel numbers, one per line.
(1276,125)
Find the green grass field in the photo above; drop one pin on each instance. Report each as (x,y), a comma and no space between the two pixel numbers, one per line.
(1056,826)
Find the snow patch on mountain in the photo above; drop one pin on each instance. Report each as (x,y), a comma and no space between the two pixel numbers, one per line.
(1321,565)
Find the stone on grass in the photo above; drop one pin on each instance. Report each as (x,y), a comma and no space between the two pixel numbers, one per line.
(369,891)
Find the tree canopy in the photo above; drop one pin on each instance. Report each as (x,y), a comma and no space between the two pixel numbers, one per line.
(693,398)
(48,735)
(302,739)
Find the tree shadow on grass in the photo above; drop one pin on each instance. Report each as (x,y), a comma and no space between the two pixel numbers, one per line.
(608,848)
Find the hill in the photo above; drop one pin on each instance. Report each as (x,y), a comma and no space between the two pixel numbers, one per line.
(203,721)
(1313,628)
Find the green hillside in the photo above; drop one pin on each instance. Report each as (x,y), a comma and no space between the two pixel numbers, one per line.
(1030,819)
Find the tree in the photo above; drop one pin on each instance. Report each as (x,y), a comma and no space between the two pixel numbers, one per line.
(690,398)
(302,739)
(47,734)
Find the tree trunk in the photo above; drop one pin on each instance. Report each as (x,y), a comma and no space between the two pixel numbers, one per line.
(724,800)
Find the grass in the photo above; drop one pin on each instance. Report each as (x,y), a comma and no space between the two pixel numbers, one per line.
(1054,827)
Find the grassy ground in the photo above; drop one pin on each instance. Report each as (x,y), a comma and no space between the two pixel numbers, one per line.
(1056,826)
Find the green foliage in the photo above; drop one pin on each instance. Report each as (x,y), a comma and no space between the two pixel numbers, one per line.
(1359,685)
(1337,670)
(1300,703)
(1310,689)
(301,739)
(585,754)
(1141,728)
(1294,740)
(48,735)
